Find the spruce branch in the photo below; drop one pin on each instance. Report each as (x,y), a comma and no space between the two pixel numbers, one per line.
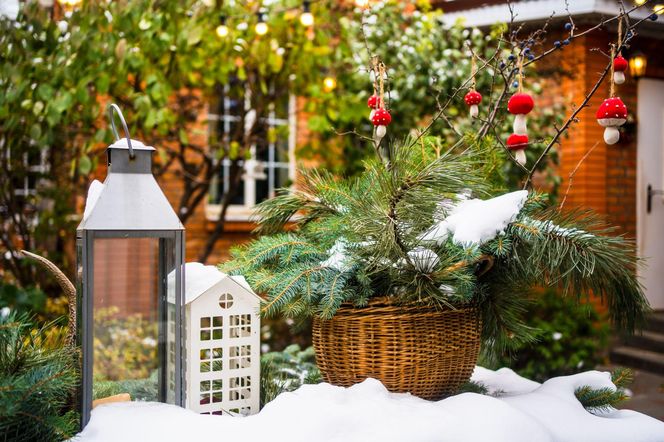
(600,400)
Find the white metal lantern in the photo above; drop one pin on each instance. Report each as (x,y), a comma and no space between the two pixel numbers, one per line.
(128,316)
(222,342)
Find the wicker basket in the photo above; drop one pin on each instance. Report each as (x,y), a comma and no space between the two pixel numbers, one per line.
(422,350)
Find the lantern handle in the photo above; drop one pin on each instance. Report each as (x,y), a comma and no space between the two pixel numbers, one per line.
(114,107)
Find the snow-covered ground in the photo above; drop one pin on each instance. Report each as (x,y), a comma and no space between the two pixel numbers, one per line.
(519,410)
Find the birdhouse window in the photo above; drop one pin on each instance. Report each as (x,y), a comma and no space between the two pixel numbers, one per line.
(226,300)
(211,359)
(240,357)
(239,388)
(240,326)
(211,392)
(212,328)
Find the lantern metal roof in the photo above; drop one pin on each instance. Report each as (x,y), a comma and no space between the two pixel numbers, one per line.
(130,198)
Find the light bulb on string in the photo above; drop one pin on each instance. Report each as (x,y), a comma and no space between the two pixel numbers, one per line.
(70,4)
(222,29)
(329,83)
(261,27)
(307,18)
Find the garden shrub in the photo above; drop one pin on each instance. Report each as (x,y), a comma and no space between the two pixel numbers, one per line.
(287,370)
(36,383)
(571,338)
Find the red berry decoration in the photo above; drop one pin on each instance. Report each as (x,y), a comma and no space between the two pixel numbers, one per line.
(620,63)
(619,67)
(518,143)
(520,105)
(612,114)
(472,99)
(381,118)
(373,102)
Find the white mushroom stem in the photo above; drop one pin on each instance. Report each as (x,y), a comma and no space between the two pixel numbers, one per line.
(520,124)
(611,135)
(371,114)
(618,77)
(520,156)
(380,132)
(474,111)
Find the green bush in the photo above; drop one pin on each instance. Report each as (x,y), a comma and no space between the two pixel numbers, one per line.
(570,339)
(36,384)
(287,370)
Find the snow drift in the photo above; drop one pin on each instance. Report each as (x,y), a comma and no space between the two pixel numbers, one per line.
(519,410)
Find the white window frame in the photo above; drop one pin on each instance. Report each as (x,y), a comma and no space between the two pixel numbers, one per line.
(242,212)
(38,168)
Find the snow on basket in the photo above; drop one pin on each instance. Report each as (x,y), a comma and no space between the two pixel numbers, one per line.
(222,342)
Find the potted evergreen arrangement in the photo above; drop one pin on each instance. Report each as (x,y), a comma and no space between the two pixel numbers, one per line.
(409,266)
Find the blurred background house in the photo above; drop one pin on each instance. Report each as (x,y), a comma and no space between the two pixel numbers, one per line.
(624,181)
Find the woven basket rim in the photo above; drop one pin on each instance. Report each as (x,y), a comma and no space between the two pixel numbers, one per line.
(391,304)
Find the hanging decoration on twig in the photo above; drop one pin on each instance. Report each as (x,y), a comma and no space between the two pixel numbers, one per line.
(620,64)
(612,113)
(520,105)
(473,98)
(380,117)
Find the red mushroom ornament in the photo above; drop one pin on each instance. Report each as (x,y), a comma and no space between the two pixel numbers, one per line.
(520,105)
(472,99)
(612,114)
(619,67)
(373,103)
(518,143)
(381,119)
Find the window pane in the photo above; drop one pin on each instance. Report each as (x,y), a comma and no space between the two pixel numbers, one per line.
(126,322)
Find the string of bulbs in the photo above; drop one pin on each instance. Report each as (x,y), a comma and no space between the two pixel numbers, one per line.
(261,27)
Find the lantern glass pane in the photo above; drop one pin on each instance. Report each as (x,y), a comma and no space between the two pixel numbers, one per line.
(126,318)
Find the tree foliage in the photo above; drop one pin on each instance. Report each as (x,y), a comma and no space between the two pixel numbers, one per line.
(164,64)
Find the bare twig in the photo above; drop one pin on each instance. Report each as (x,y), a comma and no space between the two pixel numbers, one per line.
(573,172)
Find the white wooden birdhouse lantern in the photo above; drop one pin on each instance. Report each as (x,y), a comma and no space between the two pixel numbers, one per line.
(222,342)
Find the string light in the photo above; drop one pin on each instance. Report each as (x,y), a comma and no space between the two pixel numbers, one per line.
(658,9)
(307,18)
(261,27)
(329,84)
(222,29)
(70,4)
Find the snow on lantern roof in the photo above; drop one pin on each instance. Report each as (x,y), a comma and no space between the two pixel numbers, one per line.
(200,278)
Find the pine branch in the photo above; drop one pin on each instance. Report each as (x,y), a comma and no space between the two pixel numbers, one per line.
(573,251)
(601,400)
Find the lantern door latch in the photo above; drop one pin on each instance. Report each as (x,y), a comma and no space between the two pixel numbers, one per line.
(651,193)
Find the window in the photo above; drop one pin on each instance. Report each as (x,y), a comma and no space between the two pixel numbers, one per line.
(211,359)
(240,326)
(212,328)
(271,164)
(240,388)
(34,168)
(239,357)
